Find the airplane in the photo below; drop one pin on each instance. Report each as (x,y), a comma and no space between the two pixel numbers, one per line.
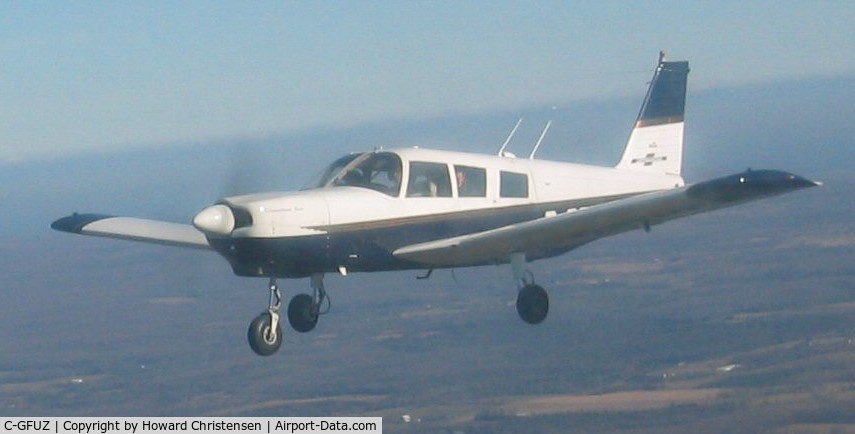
(423,209)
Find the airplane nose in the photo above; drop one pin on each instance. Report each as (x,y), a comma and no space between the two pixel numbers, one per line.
(217,219)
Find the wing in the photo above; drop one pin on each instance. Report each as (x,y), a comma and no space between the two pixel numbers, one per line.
(552,235)
(128,228)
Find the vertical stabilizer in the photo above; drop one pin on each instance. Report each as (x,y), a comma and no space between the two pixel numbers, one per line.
(656,142)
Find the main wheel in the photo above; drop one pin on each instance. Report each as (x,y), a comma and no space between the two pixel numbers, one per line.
(533,304)
(262,338)
(302,314)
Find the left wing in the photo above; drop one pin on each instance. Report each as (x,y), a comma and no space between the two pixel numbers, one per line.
(563,232)
(129,228)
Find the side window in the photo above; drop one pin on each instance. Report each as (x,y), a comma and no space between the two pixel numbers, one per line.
(428,180)
(513,184)
(471,181)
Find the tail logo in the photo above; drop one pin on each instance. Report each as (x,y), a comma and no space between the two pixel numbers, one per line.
(648,159)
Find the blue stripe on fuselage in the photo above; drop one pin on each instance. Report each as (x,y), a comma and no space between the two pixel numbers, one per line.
(369,246)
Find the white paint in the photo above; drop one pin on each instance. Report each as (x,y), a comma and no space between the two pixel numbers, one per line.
(310,211)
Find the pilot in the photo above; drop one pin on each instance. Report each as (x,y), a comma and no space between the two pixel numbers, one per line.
(352,177)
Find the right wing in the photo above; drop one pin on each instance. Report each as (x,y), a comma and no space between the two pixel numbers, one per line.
(129,228)
(550,235)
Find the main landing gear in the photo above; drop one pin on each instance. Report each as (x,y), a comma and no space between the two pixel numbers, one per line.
(265,331)
(532,299)
(304,309)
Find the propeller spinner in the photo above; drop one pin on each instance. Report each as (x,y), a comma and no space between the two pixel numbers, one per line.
(216,219)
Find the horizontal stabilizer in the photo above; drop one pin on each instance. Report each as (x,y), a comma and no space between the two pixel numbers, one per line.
(129,228)
(563,232)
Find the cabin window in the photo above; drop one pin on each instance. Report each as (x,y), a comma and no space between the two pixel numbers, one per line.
(513,184)
(428,180)
(471,181)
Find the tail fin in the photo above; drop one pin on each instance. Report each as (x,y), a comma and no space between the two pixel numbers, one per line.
(656,142)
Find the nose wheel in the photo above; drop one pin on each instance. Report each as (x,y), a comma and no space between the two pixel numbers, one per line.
(264,337)
(265,332)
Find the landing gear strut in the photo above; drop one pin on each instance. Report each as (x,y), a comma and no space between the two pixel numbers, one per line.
(265,332)
(532,299)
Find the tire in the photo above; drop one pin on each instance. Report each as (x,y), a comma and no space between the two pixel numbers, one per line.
(259,336)
(533,304)
(301,313)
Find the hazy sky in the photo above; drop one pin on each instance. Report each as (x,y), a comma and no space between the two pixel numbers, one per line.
(82,76)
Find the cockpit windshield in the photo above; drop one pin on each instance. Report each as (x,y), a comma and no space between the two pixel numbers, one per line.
(380,171)
(322,179)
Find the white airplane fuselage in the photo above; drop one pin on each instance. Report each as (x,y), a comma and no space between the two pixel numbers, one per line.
(356,227)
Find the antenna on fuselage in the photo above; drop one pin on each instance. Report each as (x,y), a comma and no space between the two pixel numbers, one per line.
(540,140)
(502,152)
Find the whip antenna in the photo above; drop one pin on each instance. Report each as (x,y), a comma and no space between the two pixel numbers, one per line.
(508,140)
(540,140)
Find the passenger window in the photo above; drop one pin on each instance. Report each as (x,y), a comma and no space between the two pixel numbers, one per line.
(513,184)
(428,180)
(471,181)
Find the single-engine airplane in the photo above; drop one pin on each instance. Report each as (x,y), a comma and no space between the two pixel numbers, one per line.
(413,208)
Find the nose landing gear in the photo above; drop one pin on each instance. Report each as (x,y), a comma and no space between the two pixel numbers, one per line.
(265,333)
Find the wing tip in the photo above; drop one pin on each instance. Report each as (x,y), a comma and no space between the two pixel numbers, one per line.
(75,222)
(749,185)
